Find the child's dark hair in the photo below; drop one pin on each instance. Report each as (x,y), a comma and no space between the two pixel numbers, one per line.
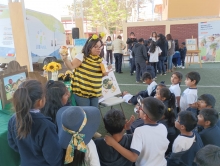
(114,121)
(154,107)
(193,76)
(154,33)
(170,103)
(79,158)
(140,40)
(54,93)
(162,84)
(179,75)
(152,47)
(90,43)
(209,155)
(24,100)
(146,75)
(209,99)
(188,119)
(209,114)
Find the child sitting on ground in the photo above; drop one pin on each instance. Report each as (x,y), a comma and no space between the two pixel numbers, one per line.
(147,78)
(189,96)
(30,133)
(149,142)
(151,90)
(204,101)
(115,123)
(176,79)
(168,119)
(187,143)
(139,122)
(207,118)
(208,156)
(76,127)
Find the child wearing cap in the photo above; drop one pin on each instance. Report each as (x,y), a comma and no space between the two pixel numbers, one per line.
(76,126)
(208,118)
(183,51)
(149,142)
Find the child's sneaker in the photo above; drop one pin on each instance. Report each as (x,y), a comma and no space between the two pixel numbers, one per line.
(137,82)
(183,67)
(164,74)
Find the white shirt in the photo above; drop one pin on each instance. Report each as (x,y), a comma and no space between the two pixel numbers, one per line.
(176,90)
(182,143)
(189,96)
(154,56)
(118,46)
(150,143)
(127,97)
(79,56)
(91,156)
(151,87)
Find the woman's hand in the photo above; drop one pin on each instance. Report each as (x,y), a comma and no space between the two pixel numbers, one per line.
(109,140)
(64,57)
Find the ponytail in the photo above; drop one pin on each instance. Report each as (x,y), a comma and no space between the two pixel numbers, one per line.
(170,104)
(169,113)
(24,100)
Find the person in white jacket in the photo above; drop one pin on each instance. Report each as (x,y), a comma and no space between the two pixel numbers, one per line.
(118,46)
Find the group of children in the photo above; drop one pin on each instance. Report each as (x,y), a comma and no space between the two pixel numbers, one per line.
(171,129)
(153,53)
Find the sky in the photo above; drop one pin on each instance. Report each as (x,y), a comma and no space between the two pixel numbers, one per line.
(54,7)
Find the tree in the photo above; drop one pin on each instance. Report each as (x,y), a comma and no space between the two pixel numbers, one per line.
(108,13)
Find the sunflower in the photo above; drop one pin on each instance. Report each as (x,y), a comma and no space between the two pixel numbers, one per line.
(45,67)
(51,67)
(58,66)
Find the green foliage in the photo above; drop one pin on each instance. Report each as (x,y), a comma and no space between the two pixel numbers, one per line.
(107,13)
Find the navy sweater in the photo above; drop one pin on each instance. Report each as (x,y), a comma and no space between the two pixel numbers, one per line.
(40,147)
(211,136)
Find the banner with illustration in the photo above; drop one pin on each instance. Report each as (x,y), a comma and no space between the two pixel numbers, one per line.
(209,41)
(110,87)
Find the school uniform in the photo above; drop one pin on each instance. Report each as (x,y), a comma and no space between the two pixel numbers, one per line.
(184,150)
(40,147)
(108,156)
(150,144)
(210,135)
(189,96)
(154,58)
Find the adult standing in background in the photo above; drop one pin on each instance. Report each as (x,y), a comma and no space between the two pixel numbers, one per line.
(139,52)
(108,44)
(130,42)
(118,46)
(163,44)
(170,52)
(154,36)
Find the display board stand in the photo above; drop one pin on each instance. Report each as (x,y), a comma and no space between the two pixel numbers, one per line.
(192,51)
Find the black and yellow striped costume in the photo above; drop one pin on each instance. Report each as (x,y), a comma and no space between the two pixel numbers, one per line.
(87,78)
